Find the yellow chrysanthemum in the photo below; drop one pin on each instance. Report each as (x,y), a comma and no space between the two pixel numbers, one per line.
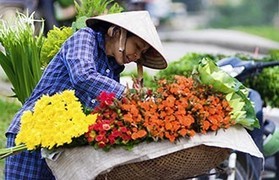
(55,121)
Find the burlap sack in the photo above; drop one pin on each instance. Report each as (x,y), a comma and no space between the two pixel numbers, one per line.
(164,160)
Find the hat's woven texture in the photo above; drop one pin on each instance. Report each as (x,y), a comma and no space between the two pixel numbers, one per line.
(178,165)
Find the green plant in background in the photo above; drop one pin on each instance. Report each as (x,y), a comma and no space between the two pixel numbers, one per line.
(55,38)
(274,54)
(184,65)
(8,110)
(65,3)
(268,32)
(21,57)
(230,14)
(266,83)
(89,8)
(148,80)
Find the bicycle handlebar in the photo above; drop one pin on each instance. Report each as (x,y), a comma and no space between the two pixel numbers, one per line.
(243,69)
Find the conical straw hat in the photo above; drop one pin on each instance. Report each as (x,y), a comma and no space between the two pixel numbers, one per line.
(140,24)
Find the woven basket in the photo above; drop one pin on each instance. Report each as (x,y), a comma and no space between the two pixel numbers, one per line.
(178,165)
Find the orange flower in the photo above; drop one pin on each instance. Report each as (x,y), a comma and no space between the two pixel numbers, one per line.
(178,108)
(139,134)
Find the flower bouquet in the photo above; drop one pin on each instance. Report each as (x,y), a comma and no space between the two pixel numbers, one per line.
(177,109)
(56,121)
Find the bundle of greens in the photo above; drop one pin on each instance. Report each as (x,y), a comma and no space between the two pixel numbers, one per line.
(21,57)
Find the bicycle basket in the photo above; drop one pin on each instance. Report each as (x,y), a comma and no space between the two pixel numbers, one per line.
(178,165)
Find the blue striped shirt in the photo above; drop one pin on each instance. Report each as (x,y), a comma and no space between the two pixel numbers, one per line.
(80,65)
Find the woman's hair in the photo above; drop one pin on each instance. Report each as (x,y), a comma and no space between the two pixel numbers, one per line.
(112,29)
(104,27)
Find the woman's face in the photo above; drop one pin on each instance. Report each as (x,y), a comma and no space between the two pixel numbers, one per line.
(134,49)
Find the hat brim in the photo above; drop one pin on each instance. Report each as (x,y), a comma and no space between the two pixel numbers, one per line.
(153,58)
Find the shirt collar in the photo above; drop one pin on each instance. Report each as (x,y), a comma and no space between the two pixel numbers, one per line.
(114,65)
(101,40)
(111,62)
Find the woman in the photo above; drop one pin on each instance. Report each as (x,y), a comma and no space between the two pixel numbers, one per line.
(89,62)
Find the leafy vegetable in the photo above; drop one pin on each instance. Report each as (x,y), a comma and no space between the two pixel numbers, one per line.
(266,83)
(55,38)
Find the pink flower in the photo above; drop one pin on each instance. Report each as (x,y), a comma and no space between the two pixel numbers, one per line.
(106,127)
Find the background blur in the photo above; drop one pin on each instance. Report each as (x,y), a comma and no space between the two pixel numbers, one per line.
(176,14)
(209,13)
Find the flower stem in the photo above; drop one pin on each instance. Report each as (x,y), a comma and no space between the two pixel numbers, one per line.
(12,150)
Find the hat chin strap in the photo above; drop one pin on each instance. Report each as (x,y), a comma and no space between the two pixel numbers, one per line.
(122,44)
(122,40)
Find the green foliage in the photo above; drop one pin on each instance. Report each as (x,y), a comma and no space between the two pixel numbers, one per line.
(247,13)
(65,3)
(21,59)
(184,65)
(274,54)
(268,32)
(148,81)
(8,110)
(89,8)
(266,83)
(79,23)
(57,36)
(52,44)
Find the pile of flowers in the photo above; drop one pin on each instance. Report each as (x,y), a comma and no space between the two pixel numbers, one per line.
(178,108)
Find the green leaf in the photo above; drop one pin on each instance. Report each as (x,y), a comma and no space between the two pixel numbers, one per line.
(79,23)
(236,93)
(89,8)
